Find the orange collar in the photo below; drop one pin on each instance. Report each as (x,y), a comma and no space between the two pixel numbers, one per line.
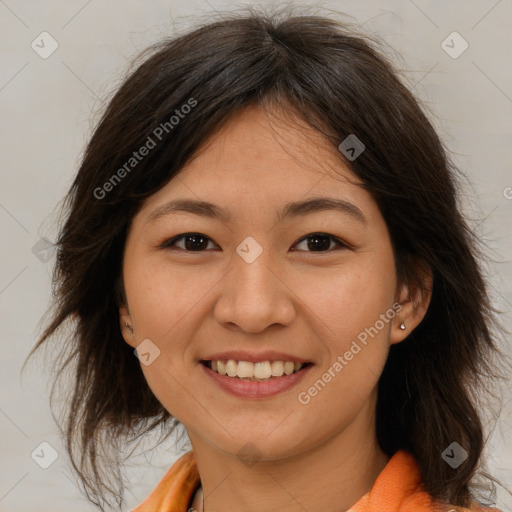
(398,488)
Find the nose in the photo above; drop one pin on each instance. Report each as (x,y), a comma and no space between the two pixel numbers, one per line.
(254,296)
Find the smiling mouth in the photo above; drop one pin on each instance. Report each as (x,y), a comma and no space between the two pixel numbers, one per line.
(255,372)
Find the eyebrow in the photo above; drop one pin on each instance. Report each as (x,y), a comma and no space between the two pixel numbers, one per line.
(293,209)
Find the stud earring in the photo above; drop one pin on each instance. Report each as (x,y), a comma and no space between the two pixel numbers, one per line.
(402,326)
(129,326)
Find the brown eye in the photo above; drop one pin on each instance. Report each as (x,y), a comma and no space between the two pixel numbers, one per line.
(321,242)
(193,242)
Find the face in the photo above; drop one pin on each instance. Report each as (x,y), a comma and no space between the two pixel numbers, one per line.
(263,284)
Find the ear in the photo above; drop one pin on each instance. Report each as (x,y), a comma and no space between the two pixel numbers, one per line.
(414,300)
(126,325)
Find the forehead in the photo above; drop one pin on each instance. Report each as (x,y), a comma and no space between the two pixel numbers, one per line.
(260,161)
(263,143)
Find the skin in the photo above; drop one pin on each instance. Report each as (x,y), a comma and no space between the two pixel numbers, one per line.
(308,302)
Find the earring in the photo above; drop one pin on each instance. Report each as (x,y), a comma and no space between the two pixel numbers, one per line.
(129,326)
(402,326)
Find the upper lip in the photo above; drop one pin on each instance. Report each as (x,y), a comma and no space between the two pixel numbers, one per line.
(243,355)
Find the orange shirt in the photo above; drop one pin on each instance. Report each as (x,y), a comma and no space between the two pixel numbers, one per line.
(397,489)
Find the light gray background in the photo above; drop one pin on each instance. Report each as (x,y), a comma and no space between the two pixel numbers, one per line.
(48,107)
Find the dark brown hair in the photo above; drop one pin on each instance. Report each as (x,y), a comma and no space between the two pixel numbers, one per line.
(321,71)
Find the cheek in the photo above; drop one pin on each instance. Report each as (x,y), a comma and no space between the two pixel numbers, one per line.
(162,303)
(161,297)
(350,299)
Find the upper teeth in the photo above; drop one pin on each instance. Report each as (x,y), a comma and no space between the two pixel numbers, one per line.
(260,370)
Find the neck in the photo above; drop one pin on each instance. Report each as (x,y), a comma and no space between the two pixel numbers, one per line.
(331,477)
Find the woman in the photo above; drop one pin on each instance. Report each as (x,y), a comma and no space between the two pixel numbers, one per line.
(266,218)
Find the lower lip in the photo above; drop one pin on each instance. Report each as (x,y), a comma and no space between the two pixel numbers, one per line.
(255,389)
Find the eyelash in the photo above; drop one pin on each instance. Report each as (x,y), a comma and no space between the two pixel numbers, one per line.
(168,244)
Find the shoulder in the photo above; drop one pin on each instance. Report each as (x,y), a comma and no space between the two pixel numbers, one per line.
(175,489)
